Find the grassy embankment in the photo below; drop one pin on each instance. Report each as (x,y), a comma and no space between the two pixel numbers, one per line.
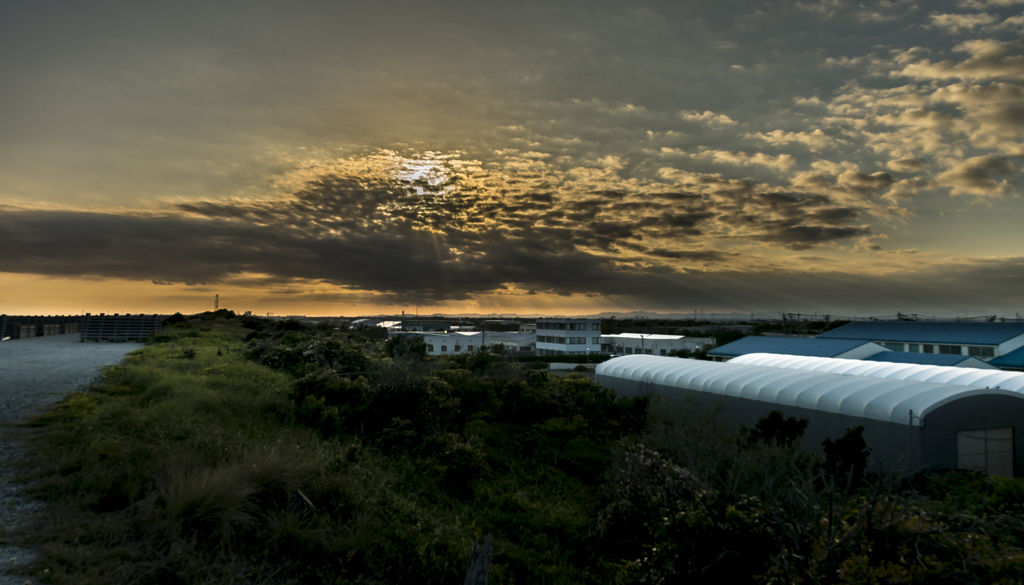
(181,467)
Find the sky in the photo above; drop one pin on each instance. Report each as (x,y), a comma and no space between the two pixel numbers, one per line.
(557,157)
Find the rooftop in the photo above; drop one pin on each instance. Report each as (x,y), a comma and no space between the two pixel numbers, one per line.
(928,359)
(958,376)
(813,346)
(654,336)
(927,332)
(1013,359)
(884,399)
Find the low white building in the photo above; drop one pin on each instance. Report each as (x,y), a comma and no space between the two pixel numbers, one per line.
(568,336)
(652,344)
(463,342)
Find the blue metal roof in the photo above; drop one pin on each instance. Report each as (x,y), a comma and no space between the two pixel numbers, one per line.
(1013,359)
(809,346)
(924,359)
(927,332)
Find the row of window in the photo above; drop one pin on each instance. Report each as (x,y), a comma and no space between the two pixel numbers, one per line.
(569,326)
(973,350)
(568,340)
(444,348)
(629,351)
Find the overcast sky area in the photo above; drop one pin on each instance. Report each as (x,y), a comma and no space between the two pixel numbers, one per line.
(558,157)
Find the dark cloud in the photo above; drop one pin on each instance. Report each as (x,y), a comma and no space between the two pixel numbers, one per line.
(415,240)
(803,237)
(975,176)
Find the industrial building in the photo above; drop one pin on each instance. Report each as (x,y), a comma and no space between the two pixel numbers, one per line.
(29,326)
(909,425)
(984,341)
(568,336)
(118,327)
(652,344)
(425,325)
(810,346)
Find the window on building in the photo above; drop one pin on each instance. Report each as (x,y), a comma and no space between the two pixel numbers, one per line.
(950,349)
(893,346)
(444,349)
(979,351)
(430,347)
(595,326)
(458,348)
(663,352)
(648,352)
(928,348)
(629,350)
(914,348)
(468,348)
(595,340)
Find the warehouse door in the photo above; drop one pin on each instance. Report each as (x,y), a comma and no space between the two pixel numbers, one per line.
(990,450)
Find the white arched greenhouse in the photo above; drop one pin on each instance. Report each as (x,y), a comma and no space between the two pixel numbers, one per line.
(894,371)
(909,425)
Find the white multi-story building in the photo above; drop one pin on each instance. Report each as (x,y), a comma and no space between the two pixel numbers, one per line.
(568,336)
(652,344)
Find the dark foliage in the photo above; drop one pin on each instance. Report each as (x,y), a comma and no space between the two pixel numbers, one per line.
(774,427)
(403,346)
(846,458)
(174,319)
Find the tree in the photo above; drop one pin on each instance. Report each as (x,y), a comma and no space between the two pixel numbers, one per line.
(406,346)
(774,427)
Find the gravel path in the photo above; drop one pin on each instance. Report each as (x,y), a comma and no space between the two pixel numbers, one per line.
(35,373)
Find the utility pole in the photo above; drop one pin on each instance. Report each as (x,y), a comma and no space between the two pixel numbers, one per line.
(216,302)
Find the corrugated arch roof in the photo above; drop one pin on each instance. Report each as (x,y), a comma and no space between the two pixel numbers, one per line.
(972,377)
(885,399)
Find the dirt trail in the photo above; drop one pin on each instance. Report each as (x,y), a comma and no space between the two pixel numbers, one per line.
(35,373)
